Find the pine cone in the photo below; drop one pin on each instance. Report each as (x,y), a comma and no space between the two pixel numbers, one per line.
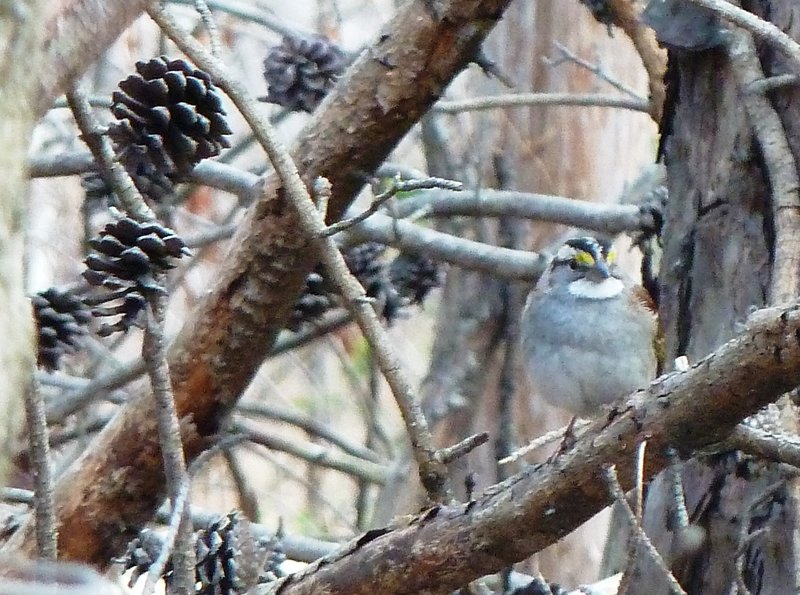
(363,261)
(230,560)
(60,318)
(413,276)
(128,256)
(141,553)
(301,71)
(170,118)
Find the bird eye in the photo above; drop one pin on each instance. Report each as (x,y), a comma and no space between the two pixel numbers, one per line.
(573,264)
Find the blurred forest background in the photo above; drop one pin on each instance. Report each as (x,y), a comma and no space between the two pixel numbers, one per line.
(563,99)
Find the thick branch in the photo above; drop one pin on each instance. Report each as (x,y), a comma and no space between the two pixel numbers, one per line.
(117,483)
(448,546)
(78,32)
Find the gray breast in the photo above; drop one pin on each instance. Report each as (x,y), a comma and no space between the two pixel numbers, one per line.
(582,354)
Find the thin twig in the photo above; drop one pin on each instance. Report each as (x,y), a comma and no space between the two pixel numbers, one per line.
(488,202)
(38,443)
(176,522)
(396,187)
(531,99)
(211,26)
(253,14)
(676,487)
(432,472)
(616,492)
(221,446)
(316,454)
(463,448)
(415,239)
(781,448)
(309,425)
(541,441)
(568,55)
(780,164)
(154,353)
(100,146)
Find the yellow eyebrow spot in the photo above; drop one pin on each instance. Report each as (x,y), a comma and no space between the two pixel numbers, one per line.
(582,257)
(611,257)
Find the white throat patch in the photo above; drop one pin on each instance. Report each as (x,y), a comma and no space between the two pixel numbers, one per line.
(607,288)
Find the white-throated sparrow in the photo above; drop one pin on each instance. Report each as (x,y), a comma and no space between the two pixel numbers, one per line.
(588,332)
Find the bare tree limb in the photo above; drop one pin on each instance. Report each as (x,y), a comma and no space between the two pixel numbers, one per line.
(529,99)
(781,168)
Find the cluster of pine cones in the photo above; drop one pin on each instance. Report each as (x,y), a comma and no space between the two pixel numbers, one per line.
(406,279)
(170,117)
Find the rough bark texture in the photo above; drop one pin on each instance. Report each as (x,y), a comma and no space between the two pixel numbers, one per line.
(719,245)
(118,482)
(447,546)
(77,33)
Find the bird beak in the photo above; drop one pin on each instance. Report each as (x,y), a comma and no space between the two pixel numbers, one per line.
(601,267)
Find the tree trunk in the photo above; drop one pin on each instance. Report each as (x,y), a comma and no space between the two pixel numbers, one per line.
(719,248)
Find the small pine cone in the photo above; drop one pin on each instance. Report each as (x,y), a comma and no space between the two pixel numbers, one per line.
(301,71)
(170,118)
(127,257)
(61,318)
(365,263)
(229,558)
(314,301)
(141,553)
(413,276)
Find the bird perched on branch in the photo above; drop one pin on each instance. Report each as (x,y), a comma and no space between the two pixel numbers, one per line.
(588,332)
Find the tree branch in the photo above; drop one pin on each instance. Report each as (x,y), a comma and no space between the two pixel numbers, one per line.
(117,482)
(448,546)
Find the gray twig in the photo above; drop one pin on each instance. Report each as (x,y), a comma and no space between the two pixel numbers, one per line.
(529,99)
(780,163)
(568,55)
(176,526)
(201,6)
(310,426)
(314,453)
(396,187)
(757,26)
(103,153)
(154,353)
(616,492)
(44,506)
(466,446)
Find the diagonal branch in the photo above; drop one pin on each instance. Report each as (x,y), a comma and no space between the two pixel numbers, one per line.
(448,546)
(117,483)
